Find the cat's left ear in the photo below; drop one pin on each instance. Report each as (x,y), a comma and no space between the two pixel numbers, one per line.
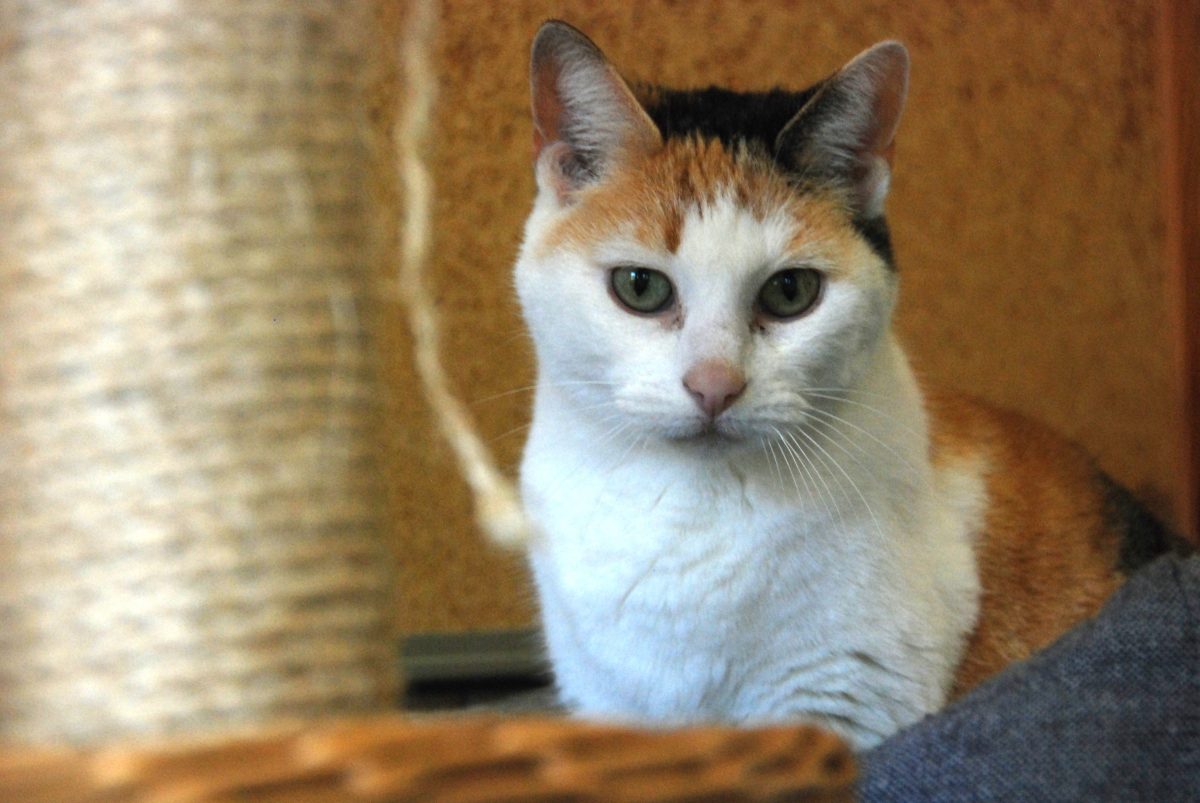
(845,132)
(585,117)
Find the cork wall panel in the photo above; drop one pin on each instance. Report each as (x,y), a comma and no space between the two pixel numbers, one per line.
(1025,212)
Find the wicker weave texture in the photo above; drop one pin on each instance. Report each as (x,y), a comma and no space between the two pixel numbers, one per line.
(455,760)
(189,493)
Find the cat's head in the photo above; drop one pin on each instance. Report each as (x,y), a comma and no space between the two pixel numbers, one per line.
(696,261)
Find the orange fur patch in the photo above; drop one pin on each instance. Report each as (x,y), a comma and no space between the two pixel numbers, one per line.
(1047,558)
(649,196)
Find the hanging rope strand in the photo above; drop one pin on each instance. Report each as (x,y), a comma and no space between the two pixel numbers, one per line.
(497,507)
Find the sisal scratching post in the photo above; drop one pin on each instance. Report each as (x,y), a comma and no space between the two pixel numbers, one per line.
(190,503)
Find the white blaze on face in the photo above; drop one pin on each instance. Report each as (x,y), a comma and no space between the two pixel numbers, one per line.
(723,248)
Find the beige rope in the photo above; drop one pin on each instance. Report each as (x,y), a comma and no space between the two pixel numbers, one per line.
(498,509)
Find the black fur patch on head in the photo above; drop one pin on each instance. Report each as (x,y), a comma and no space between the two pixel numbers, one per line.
(875,231)
(751,120)
(1143,537)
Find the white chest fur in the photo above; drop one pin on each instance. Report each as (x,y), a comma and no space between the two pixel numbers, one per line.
(684,583)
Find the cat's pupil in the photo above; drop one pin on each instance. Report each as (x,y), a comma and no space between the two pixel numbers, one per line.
(788,286)
(640,281)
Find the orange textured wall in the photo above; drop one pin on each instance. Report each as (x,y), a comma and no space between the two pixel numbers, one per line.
(1025,212)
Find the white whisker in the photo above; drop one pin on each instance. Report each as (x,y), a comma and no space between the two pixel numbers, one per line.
(804,465)
(877,411)
(851,392)
(853,484)
(795,481)
(533,387)
(838,419)
(522,428)
(769,448)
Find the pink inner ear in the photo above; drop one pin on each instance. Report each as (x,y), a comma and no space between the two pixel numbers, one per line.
(550,167)
(891,87)
(547,107)
(887,118)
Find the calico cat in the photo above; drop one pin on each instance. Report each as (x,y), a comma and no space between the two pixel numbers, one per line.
(748,508)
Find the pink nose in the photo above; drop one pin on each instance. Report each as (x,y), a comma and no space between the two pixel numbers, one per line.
(714,385)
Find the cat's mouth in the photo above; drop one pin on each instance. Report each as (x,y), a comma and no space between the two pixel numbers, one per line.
(708,433)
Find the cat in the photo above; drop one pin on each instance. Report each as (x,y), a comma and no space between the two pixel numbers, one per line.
(748,509)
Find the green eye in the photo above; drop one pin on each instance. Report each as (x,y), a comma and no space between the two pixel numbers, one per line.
(790,292)
(642,289)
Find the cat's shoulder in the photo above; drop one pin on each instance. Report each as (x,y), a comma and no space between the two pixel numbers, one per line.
(1041,482)
(962,425)
(1058,535)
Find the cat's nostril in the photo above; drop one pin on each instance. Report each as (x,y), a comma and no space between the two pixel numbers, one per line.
(714,385)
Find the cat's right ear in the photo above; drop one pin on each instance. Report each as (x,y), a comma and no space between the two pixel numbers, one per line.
(585,117)
(846,130)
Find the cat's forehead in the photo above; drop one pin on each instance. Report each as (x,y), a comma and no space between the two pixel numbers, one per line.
(650,199)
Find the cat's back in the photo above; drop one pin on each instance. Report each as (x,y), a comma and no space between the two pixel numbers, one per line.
(1058,536)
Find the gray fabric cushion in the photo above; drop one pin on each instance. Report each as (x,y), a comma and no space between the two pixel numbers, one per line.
(1109,712)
